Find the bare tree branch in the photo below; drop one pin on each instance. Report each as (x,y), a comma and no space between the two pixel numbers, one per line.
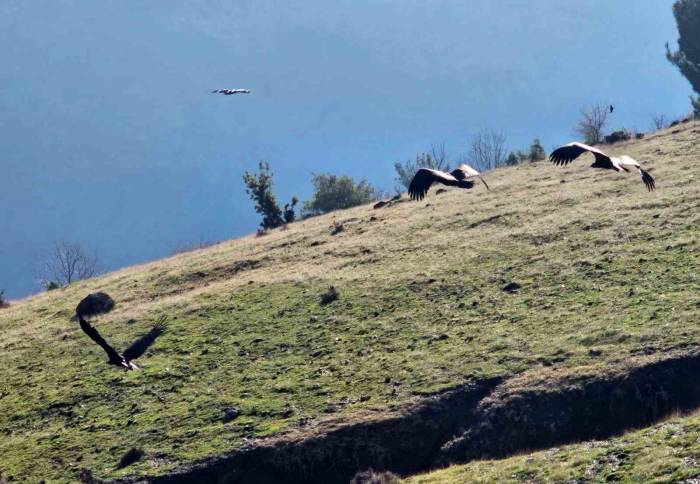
(593,121)
(69,262)
(488,150)
(659,121)
(437,159)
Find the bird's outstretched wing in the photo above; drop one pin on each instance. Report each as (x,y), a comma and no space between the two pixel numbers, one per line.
(114,357)
(626,161)
(464,171)
(647,179)
(420,184)
(568,153)
(139,347)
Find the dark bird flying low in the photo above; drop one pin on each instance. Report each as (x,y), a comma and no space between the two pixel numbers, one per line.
(568,153)
(228,92)
(100,303)
(459,177)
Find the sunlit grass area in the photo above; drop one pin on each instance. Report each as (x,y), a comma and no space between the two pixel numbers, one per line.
(608,273)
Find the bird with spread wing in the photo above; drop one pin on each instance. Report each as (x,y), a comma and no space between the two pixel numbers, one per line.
(100,303)
(228,92)
(459,177)
(568,153)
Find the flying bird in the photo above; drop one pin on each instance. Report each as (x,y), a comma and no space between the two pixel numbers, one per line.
(459,177)
(228,92)
(93,305)
(568,153)
(612,108)
(100,303)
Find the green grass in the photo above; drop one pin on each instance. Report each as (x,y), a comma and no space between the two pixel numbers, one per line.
(608,274)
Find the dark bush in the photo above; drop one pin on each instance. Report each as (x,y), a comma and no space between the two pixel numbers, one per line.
(51,285)
(334,192)
(617,136)
(512,159)
(3,302)
(337,227)
(537,152)
(85,477)
(132,455)
(289,214)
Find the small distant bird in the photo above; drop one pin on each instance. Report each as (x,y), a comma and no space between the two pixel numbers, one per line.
(612,108)
(459,177)
(228,92)
(568,153)
(100,303)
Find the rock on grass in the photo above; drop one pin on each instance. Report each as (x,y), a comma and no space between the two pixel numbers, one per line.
(329,296)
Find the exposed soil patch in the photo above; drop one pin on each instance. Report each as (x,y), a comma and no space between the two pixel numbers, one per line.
(486,419)
(404,442)
(514,420)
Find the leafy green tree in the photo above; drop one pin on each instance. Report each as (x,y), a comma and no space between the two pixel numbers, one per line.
(334,192)
(436,159)
(687,57)
(259,189)
(537,152)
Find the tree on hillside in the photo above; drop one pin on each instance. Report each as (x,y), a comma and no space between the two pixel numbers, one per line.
(512,159)
(259,189)
(488,150)
(3,302)
(593,121)
(436,159)
(687,57)
(332,192)
(68,262)
(289,215)
(659,121)
(537,152)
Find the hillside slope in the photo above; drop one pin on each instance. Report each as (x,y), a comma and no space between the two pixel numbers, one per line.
(665,452)
(609,282)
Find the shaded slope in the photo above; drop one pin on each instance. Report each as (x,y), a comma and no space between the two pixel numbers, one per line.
(421,309)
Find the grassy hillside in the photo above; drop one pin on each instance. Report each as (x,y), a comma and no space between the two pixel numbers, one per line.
(666,452)
(608,273)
